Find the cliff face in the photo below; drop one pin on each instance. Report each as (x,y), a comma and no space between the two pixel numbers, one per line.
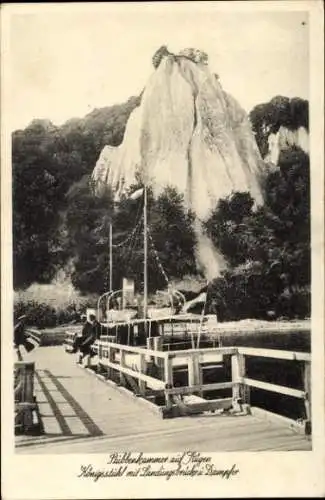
(280,124)
(187,133)
(285,138)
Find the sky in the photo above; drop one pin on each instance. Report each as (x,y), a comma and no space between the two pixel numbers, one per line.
(63,64)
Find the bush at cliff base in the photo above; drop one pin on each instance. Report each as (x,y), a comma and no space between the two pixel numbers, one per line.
(42,315)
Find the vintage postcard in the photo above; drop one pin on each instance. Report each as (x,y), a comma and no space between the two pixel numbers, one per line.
(162,242)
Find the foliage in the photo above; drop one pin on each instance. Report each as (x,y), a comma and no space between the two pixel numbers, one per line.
(268,117)
(42,315)
(46,161)
(172,232)
(56,219)
(87,224)
(267,248)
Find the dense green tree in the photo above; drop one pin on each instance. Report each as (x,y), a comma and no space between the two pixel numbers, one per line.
(267,248)
(172,233)
(46,161)
(57,218)
(170,238)
(280,111)
(37,192)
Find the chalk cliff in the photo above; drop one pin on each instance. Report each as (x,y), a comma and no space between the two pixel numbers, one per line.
(188,133)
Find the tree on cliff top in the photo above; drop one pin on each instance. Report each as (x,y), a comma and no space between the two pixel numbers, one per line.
(268,117)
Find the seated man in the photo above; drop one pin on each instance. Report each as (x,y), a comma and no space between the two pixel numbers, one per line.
(78,336)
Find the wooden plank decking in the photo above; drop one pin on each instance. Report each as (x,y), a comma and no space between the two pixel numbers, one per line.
(81,414)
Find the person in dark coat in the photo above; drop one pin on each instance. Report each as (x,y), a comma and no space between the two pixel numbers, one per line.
(97,328)
(78,337)
(88,337)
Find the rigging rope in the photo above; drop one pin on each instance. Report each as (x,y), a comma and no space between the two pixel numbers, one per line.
(158,261)
(128,239)
(122,243)
(133,244)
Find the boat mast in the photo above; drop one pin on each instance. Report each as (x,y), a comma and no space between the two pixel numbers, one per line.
(145,260)
(110,257)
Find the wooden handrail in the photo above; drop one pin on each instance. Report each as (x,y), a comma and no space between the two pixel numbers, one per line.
(204,350)
(240,383)
(274,353)
(198,388)
(24,394)
(280,389)
(152,382)
(131,349)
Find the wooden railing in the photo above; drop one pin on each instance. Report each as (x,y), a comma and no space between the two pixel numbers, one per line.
(35,335)
(132,366)
(46,337)
(25,405)
(174,346)
(244,383)
(69,341)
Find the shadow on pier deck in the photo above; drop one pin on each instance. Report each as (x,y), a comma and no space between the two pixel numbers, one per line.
(81,414)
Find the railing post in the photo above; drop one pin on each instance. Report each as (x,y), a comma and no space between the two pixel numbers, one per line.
(194,370)
(307,388)
(149,346)
(168,376)
(122,363)
(100,356)
(29,377)
(110,355)
(143,366)
(24,393)
(159,362)
(240,392)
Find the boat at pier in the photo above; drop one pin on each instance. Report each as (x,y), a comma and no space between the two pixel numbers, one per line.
(159,365)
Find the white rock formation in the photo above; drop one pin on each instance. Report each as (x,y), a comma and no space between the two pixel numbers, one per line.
(187,133)
(284,139)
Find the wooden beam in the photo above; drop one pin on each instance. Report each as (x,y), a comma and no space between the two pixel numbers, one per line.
(122,364)
(240,392)
(275,417)
(194,372)
(275,353)
(266,386)
(213,404)
(24,374)
(168,376)
(152,382)
(198,388)
(307,387)
(143,366)
(136,350)
(177,410)
(110,359)
(209,350)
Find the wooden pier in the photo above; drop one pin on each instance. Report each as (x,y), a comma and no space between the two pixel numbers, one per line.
(123,405)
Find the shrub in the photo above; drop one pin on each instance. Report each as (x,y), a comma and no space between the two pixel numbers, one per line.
(42,315)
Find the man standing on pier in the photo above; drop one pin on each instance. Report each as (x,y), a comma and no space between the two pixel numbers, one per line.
(90,333)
